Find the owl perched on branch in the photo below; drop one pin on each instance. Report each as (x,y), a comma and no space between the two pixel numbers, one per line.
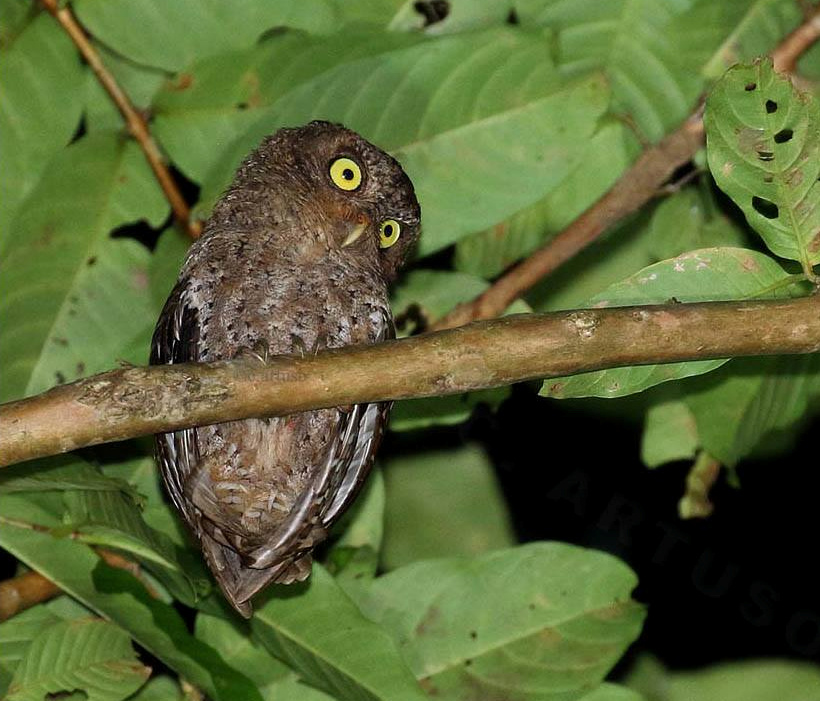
(297,256)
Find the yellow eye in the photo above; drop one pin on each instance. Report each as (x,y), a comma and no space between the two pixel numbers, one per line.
(346,174)
(389,231)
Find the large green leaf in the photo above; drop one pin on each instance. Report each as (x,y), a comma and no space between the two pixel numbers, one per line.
(635,43)
(70,296)
(87,655)
(740,410)
(59,473)
(318,631)
(114,594)
(40,102)
(606,155)
(748,680)
(763,145)
(441,504)
(234,642)
(18,632)
(111,519)
(541,621)
(717,35)
(172,35)
(697,276)
(480,121)
(201,111)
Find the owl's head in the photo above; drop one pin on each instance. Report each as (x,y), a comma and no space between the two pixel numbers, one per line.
(349,194)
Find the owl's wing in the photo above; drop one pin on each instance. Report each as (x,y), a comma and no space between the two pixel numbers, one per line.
(176,340)
(333,489)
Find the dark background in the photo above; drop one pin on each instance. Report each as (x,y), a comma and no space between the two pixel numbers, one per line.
(741,583)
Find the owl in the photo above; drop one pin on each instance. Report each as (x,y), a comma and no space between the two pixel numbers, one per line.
(297,256)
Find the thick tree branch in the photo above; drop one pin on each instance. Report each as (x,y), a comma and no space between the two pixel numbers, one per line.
(636,186)
(138,401)
(135,122)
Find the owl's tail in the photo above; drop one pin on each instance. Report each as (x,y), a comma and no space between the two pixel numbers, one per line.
(239,583)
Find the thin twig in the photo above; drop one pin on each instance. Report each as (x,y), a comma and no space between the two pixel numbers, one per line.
(135,122)
(636,186)
(138,401)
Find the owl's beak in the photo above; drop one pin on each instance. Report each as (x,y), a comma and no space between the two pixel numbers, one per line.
(354,234)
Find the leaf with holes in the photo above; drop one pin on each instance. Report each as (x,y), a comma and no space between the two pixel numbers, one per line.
(540,621)
(709,274)
(763,147)
(87,655)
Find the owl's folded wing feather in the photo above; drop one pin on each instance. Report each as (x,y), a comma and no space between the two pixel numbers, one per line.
(176,340)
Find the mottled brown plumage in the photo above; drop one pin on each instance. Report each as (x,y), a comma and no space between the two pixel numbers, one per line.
(296,256)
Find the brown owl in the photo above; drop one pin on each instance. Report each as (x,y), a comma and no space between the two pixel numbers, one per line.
(297,256)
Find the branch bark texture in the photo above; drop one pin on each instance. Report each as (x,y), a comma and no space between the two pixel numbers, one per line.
(130,402)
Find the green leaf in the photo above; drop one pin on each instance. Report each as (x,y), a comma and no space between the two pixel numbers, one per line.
(682,222)
(232,640)
(697,276)
(111,519)
(87,655)
(318,631)
(540,621)
(721,34)
(215,100)
(670,433)
(172,36)
(689,220)
(159,689)
(606,155)
(743,407)
(60,473)
(40,102)
(64,280)
(612,692)
(441,504)
(763,146)
(115,594)
(748,680)
(483,103)
(635,43)
(18,632)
